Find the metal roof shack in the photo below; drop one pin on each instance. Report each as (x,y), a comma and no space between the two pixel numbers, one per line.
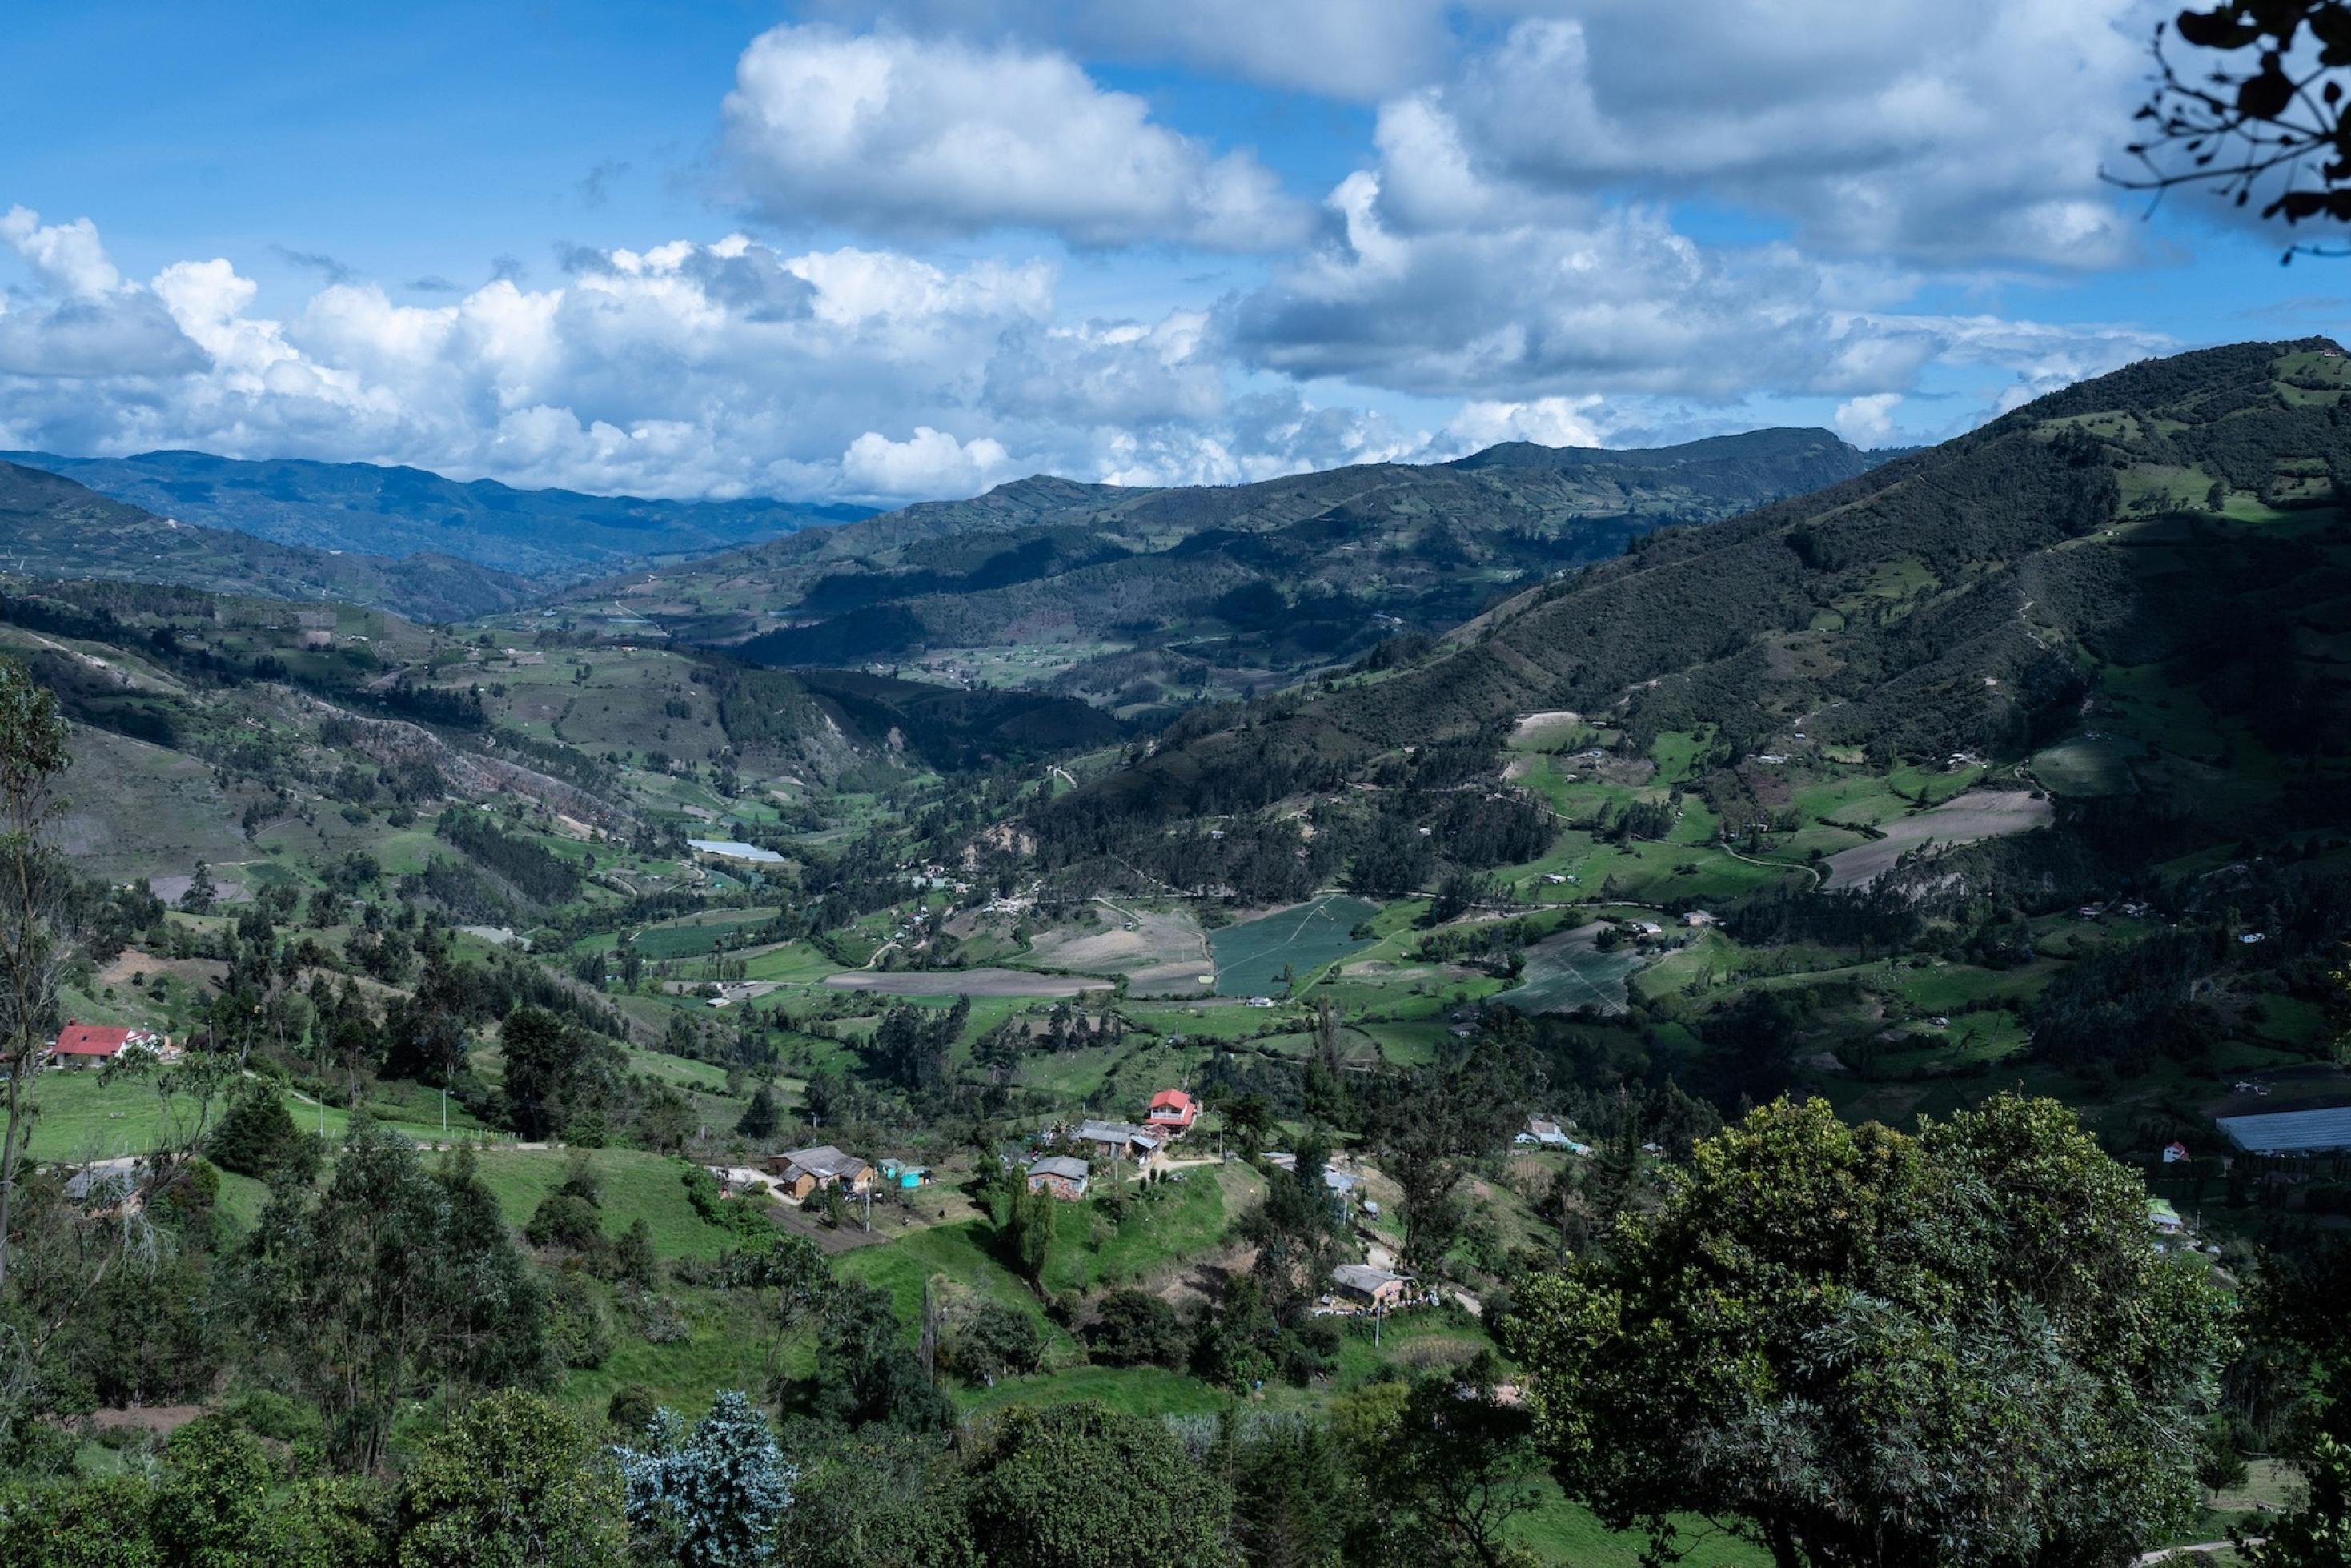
(2291,1132)
(1377,1286)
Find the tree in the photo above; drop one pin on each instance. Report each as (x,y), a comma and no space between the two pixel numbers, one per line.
(1134,1328)
(2317,1534)
(1445,1465)
(1291,1498)
(201,895)
(35,946)
(987,1339)
(712,1499)
(515,1481)
(1029,1229)
(90,1524)
(258,1138)
(2266,117)
(865,1372)
(541,1052)
(212,1508)
(759,1119)
(1083,1486)
(391,1281)
(1870,1348)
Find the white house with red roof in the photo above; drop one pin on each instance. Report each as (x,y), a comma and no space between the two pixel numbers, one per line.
(86,1045)
(1173,1111)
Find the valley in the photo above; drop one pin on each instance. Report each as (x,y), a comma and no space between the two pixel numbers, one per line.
(1478,839)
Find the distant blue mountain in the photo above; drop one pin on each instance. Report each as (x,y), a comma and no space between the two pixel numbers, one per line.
(402,512)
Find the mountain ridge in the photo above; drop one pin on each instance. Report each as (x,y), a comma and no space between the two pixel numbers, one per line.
(57,526)
(397,510)
(1124,594)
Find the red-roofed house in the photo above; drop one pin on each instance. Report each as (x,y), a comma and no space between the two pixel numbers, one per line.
(1172,1112)
(95,1045)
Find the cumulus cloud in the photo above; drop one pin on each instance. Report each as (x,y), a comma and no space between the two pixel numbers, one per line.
(1965,135)
(1546,422)
(1868,420)
(683,369)
(68,256)
(895,134)
(928,462)
(81,319)
(1566,302)
(1361,50)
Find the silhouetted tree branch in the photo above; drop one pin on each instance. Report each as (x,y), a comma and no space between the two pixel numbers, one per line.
(2260,114)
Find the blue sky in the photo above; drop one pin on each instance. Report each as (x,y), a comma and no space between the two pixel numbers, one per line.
(882,253)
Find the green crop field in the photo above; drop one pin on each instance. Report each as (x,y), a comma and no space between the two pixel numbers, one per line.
(1567,971)
(1249,957)
(2088,766)
(697,933)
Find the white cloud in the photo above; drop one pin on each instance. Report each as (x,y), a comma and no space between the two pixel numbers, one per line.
(69,254)
(1954,135)
(1363,49)
(683,368)
(1546,422)
(1577,299)
(895,134)
(928,462)
(80,321)
(1868,420)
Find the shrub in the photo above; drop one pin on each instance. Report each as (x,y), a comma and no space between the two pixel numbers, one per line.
(988,1340)
(1134,1328)
(565,1219)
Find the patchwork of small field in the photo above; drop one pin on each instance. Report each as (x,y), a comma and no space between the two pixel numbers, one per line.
(1964,820)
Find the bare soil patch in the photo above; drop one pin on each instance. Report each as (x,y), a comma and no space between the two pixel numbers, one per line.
(1964,819)
(963,983)
(1166,954)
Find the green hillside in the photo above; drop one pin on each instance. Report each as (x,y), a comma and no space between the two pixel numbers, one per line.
(56,527)
(1143,597)
(2141,580)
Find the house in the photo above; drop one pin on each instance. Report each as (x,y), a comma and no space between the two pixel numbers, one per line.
(1119,1140)
(2163,1216)
(1172,1112)
(1370,1287)
(1543,1130)
(804,1171)
(1699,917)
(85,1045)
(2173,1152)
(1339,1184)
(906,1177)
(104,1190)
(1063,1176)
